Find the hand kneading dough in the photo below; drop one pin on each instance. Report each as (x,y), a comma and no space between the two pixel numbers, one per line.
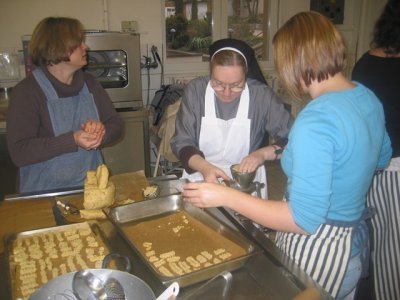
(98,191)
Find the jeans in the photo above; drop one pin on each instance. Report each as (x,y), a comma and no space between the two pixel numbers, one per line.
(351,278)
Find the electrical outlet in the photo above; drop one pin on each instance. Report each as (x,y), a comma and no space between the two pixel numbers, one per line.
(129,26)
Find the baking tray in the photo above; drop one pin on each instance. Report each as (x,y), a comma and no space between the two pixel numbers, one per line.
(128,216)
(12,264)
(168,184)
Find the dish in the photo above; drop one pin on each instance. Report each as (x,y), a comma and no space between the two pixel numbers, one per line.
(185,244)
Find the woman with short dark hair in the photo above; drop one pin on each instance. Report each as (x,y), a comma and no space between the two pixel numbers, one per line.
(59,116)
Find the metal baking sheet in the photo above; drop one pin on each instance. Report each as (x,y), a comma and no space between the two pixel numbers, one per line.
(10,239)
(169,184)
(126,216)
(44,194)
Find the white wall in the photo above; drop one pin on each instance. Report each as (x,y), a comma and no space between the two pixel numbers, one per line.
(359,18)
(19,17)
(371,11)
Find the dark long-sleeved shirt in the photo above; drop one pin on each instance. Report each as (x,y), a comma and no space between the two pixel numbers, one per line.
(30,136)
(381,75)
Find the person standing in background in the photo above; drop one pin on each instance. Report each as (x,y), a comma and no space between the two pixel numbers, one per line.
(59,116)
(334,147)
(224,118)
(379,70)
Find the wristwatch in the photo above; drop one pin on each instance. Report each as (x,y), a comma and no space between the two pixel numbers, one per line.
(277,151)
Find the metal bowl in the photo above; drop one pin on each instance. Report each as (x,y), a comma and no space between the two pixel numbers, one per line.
(243,179)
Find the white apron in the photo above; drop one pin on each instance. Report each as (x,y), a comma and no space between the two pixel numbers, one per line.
(225,143)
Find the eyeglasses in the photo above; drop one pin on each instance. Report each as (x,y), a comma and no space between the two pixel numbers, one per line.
(220,87)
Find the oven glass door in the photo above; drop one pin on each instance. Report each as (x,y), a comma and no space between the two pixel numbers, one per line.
(109,67)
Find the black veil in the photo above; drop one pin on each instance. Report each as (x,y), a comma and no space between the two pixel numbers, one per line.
(253,69)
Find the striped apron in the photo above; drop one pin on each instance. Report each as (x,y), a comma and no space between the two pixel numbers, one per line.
(325,255)
(384,196)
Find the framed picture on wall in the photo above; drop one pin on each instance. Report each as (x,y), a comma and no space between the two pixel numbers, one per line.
(333,9)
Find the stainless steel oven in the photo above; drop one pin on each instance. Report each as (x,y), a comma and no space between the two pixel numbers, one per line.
(114,59)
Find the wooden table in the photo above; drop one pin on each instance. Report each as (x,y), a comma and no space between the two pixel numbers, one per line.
(34,213)
(23,215)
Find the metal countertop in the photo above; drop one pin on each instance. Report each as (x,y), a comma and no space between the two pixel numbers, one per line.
(262,277)
(266,275)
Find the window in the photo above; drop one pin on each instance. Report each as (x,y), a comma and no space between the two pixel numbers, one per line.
(192,25)
(188,30)
(332,9)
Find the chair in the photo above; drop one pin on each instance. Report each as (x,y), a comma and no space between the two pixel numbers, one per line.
(167,160)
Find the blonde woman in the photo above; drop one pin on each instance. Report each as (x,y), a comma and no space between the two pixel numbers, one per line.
(335,145)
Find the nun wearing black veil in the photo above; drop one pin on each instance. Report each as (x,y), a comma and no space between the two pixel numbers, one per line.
(224,118)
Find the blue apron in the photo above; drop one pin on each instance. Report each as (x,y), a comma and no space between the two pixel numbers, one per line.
(66,114)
